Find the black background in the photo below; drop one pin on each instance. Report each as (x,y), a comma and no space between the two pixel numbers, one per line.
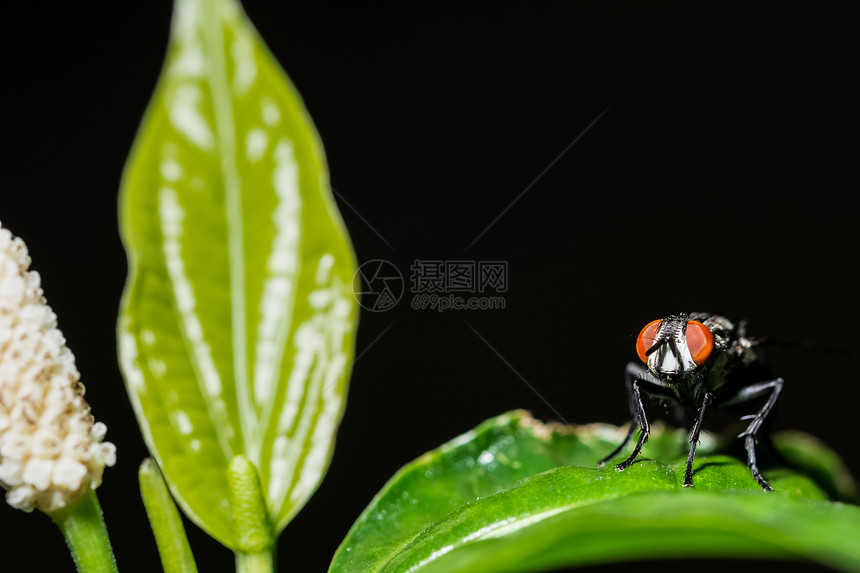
(721,178)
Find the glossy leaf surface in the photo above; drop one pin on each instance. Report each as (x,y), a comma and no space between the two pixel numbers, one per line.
(237,324)
(516,495)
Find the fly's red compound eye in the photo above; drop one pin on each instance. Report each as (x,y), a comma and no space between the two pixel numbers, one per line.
(646,337)
(700,341)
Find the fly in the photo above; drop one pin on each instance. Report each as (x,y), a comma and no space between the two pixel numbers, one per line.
(700,361)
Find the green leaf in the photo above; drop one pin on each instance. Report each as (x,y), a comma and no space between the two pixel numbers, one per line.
(238,320)
(517,495)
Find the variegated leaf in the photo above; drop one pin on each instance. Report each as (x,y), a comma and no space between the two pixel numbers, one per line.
(238,319)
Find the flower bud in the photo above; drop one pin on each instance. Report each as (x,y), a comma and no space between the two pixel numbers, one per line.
(51,451)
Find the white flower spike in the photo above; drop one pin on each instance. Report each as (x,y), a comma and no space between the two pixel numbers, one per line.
(51,451)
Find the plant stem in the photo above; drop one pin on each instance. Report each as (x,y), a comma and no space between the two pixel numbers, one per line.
(254,562)
(84,528)
(176,556)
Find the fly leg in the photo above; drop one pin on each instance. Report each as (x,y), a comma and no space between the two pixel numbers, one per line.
(620,447)
(628,379)
(645,428)
(694,439)
(637,379)
(749,435)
